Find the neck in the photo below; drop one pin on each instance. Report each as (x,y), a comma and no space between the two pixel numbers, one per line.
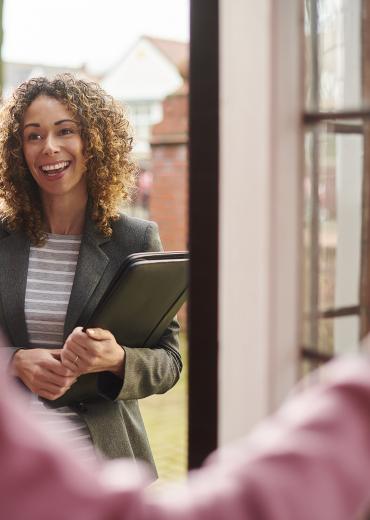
(64,217)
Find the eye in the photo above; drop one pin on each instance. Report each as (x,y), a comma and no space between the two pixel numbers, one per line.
(33,137)
(66,131)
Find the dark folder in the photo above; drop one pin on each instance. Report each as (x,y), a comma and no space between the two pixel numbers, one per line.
(143,298)
(137,307)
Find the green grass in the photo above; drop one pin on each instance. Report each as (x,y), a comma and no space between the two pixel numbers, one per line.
(165,418)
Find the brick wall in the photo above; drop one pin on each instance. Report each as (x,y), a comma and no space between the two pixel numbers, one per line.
(168,205)
(169,165)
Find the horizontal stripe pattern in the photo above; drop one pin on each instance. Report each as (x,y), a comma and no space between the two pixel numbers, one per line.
(46,282)
(51,271)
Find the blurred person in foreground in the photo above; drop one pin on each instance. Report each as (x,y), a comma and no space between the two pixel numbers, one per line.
(309,461)
(65,168)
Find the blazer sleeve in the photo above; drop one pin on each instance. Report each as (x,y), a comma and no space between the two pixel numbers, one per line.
(7,349)
(148,370)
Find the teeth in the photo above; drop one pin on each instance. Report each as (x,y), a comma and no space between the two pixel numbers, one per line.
(56,166)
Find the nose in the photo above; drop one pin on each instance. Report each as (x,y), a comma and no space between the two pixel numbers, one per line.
(50,145)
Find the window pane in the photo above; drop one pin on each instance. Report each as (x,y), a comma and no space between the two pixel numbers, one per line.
(337,335)
(332,224)
(333,39)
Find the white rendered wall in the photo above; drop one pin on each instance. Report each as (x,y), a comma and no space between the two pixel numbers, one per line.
(143,74)
(260,145)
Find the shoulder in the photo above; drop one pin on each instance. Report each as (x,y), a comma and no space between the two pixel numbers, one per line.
(126,223)
(137,234)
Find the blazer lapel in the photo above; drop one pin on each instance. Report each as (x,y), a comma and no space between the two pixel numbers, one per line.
(91,264)
(14,254)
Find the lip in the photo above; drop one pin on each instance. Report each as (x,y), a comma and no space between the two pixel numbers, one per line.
(49,175)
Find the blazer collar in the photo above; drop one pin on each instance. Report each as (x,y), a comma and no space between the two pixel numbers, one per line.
(91,265)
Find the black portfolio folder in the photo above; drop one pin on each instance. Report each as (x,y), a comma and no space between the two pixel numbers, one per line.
(143,298)
(137,307)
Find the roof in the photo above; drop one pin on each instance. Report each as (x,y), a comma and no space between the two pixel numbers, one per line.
(175,51)
(16,73)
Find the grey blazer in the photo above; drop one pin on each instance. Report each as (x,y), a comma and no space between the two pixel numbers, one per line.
(114,420)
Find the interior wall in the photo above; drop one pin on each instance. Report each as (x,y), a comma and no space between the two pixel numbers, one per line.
(260,165)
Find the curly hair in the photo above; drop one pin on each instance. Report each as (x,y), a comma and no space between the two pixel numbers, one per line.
(107,143)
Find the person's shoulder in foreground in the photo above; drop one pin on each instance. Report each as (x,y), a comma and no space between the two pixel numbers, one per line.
(311,460)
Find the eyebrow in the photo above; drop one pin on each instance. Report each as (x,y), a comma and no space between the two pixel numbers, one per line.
(60,122)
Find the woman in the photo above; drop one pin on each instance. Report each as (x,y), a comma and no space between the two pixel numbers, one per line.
(65,169)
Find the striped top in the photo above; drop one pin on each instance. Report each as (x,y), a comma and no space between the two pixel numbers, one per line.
(51,272)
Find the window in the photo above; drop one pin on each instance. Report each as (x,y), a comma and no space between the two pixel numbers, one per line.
(336,272)
(143,115)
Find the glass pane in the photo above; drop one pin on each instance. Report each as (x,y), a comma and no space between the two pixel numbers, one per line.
(338,335)
(332,224)
(334,57)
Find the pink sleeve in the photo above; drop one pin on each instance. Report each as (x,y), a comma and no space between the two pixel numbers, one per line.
(311,460)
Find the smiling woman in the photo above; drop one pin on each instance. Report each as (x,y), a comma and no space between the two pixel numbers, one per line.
(65,169)
(53,150)
(64,119)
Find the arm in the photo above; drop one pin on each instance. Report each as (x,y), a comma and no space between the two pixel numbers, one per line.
(151,370)
(309,461)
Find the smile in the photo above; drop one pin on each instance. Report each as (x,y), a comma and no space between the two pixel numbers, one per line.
(54,169)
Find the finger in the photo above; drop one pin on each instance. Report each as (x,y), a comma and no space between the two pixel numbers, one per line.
(54,351)
(72,366)
(73,355)
(45,394)
(99,334)
(50,378)
(55,367)
(76,341)
(77,344)
(79,364)
(49,386)
(86,348)
(78,335)
(52,394)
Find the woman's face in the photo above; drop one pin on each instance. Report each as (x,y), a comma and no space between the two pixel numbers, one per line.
(53,149)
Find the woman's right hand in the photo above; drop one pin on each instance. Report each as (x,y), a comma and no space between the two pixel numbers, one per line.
(42,372)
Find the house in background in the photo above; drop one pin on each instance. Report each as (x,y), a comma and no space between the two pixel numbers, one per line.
(17,73)
(151,81)
(168,204)
(151,70)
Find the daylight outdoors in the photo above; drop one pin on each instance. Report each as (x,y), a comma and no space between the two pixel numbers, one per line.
(138,52)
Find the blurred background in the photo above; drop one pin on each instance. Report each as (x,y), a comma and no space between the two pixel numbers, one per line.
(138,52)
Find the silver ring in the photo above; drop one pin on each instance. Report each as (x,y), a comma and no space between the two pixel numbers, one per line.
(75,361)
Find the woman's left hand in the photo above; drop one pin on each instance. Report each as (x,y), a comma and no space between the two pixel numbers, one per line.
(95,350)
